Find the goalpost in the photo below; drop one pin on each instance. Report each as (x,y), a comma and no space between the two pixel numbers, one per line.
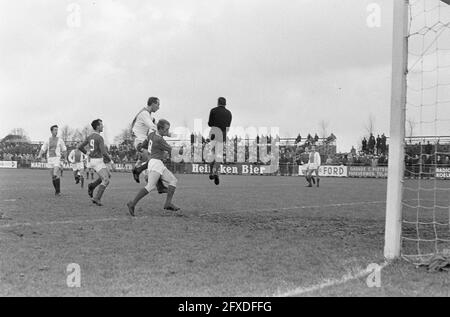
(418,207)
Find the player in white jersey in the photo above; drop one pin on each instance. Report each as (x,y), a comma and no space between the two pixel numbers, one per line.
(77,159)
(142,125)
(56,153)
(314,163)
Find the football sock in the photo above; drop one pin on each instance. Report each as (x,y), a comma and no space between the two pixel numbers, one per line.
(170,193)
(58,185)
(100,191)
(96,183)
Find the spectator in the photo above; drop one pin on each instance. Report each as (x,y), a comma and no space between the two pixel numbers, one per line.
(364,145)
(378,145)
(371,144)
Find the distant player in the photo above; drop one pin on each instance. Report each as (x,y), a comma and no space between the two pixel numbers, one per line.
(156,169)
(89,171)
(313,167)
(98,158)
(219,120)
(56,152)
(77,159)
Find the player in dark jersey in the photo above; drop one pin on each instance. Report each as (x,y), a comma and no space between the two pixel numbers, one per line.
(156,169)
(219,121)
(98,158)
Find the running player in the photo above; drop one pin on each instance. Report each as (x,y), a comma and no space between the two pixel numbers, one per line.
(219,121)
(313,166)
(77,158)
(56,152)
(156,169)
(98,157)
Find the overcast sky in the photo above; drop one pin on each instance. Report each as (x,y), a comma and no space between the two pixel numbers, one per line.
(289,64)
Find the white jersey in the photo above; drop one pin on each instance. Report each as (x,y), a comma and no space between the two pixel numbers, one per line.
(143,124)
(54,147)
(314,160)
(76,156)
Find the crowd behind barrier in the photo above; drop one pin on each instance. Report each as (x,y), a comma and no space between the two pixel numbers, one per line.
(421,157)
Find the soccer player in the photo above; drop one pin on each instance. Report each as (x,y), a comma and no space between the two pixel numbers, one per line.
(142,125)
(89,171)
(77,158)
(56,152)
(313,166)
(219,119)
(156,169)
(98,158)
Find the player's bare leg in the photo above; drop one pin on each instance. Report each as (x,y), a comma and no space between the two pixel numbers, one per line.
(132,204)
(317,176)
(104,177)
(214,175)
(308,178)
(76,177)
(153,178)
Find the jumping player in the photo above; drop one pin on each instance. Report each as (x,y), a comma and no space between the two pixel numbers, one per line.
(313,166)
(77,158)
(98,157)
(142,125)
(219,121)
(56,152)
(156,169)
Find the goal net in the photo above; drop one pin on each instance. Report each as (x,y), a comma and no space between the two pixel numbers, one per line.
(418,203)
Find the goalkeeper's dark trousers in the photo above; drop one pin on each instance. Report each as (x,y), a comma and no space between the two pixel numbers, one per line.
(141,168)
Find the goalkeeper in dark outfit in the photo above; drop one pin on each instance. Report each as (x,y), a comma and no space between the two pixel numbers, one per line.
(219,121)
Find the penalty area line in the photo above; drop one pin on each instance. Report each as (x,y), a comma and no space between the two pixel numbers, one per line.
(349,277)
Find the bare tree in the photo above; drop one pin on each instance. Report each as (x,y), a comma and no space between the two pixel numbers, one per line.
(125,136)
(86,131)
(410,125)
(323,128)
(370,126)
(20,133)
(66,133)
(77,136)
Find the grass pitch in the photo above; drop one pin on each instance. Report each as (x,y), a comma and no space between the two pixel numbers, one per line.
(250,236)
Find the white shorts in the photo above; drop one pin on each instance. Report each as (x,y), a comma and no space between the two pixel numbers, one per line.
(216,149)
(77,166)
(313,167)
(97,164)
(156,166)
(53,162)
(167,177)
